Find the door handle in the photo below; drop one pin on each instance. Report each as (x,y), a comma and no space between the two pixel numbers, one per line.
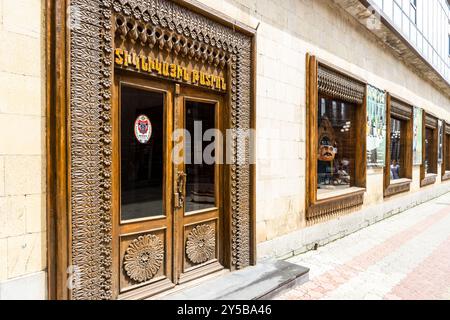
(179,192)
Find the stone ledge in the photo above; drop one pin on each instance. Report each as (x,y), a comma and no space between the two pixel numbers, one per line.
(261,282)
(29,287)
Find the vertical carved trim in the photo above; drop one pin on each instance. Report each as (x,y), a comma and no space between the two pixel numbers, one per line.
(90,156)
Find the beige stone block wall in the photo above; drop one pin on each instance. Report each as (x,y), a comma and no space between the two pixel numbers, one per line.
(22,139)
(287,30)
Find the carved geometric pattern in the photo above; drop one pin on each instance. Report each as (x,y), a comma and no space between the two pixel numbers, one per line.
(394,189)
(91,36)
(128,28)
(143,258)
(201,244)
(339,86)
(431,121)
(401,110)
(325,210)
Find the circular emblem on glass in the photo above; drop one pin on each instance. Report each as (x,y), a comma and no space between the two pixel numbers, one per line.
(143,129)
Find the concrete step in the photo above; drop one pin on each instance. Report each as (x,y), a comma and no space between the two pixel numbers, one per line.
(261,282)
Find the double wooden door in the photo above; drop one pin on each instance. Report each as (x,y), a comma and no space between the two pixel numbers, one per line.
(168,185)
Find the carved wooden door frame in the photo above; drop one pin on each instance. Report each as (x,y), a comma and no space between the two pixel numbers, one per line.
(79,52)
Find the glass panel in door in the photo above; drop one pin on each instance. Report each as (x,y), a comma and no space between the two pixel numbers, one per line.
(141,153)
(200,161)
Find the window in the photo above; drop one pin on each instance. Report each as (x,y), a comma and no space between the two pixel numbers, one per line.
(430,156)
(336,136)
(399,149)
(413,11)
(336,142)
(429,167)
(446,153)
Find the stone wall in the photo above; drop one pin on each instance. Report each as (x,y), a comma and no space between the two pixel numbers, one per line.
(287,30)
(22,149)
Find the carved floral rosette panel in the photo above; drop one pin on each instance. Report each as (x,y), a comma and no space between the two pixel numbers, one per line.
(91,43)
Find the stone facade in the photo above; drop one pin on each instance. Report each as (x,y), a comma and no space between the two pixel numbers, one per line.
(287,31)
(22,150)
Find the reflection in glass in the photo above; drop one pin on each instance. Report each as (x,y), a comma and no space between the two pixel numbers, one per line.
(200,180)
(428,150)
(142,164)
(396,148)
(336,160)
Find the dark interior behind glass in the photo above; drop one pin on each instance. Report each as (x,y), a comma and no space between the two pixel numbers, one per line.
(142,165)
(429,146)
(200,181)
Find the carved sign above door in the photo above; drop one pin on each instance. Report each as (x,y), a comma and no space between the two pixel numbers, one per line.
(91,73)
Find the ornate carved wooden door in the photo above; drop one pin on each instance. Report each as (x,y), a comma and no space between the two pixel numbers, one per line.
(167,182)
(198,184)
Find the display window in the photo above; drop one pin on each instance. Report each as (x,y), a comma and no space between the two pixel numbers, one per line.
(336,141)
(429,167)
(399,149)
(446,152)
(336,133)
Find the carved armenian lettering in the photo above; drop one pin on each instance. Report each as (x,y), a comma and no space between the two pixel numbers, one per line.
(122,58)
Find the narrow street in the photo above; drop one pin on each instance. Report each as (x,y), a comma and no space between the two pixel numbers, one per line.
(404,257)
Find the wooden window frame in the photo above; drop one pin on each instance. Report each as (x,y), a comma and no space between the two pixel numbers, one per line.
(317,210)
(445,174)
(429,122)
(405,112)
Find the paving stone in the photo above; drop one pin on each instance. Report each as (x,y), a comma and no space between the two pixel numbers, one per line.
(403,257)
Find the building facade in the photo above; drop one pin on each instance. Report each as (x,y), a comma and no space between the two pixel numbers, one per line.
(349,103)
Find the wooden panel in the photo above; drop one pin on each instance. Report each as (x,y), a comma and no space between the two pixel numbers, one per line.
(431,121)
(429,180)
(338,85)
(336,206)
(312,96)
(387,169)
(401,110)
(206,233)
(144,259)
(397,188)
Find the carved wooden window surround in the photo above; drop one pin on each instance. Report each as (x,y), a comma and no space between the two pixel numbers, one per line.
(430,122)
(446,153)
(80,77)
(332,82)
(402,112)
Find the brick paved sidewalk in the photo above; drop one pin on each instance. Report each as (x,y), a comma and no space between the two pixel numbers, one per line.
(404,257)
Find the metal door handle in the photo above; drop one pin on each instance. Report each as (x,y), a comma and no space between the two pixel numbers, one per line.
(179,192)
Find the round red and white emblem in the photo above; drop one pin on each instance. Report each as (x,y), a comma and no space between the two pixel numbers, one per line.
(143,129)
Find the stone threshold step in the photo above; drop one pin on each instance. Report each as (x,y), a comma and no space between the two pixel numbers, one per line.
(261,282)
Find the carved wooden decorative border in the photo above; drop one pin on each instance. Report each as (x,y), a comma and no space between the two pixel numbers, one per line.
(401,110)
(331,208)
(397,188)
(91,78)
(337,85)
